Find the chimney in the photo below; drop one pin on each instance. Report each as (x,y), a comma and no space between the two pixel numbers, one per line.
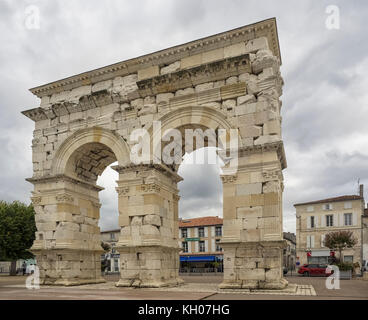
(361,189)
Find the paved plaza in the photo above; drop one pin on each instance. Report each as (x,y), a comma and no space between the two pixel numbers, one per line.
(195,288)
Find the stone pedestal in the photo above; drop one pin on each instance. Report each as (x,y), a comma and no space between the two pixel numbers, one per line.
(149,267)
(68,241)
(253,265)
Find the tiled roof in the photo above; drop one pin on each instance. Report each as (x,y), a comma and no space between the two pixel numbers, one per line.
(336,199)
(198,222)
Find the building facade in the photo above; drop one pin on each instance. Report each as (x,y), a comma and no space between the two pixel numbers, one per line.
(112,257)
(290,251)
(200,239)
(315,219)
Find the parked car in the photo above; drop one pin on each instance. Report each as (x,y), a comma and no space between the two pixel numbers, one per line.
(315,270)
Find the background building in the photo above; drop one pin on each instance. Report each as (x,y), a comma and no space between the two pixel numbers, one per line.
(290,251)
(113,258)
(315,219)
(199,239)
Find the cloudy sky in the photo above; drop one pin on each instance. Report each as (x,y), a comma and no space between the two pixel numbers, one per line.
(325,99)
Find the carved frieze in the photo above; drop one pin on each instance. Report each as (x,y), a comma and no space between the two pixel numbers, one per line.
(122,191)
(151,188)
(228,178)
(64,198)
(36,201)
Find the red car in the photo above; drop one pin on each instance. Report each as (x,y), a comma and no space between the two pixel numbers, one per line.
(315,270)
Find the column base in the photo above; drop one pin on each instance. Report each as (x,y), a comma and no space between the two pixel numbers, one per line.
(253,265)
(149,267)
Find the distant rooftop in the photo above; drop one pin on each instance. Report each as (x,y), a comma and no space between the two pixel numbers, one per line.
(198,222)
(335,199)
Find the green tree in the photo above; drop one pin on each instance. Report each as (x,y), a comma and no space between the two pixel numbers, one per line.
(340,240)
(17,232)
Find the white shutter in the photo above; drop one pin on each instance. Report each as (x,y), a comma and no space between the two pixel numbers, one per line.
(206,245)
(213,231)
(189,246)
(341,219)
(355,219)
(196,243)
(206,232)
(323,220)
(308,222)
(331,206)
(336,219)
(316,222)
(308,241)
(196,233)
(213,245)
(312,241)
(322,240)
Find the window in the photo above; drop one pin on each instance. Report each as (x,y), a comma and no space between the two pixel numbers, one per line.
(348,259)
(112,236)
(218,248)
(312,222)
(218,232)
(310,241)
(348,205)
(201,232)
(329,220)
(185,246)
(310,209)
(348,221)
(113,251)
(184,233)
(202,246)
(327,206)
(116,265)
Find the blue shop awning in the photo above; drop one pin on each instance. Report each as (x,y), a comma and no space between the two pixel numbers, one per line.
(197,258)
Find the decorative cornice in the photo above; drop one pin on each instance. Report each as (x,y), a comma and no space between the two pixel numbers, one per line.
(168,171)
(64,178)
(176,197)
(266,28)
(277,146)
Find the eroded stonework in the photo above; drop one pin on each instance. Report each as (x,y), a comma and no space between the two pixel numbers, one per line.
(83,124)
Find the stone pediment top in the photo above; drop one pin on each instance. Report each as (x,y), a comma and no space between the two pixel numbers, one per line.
(266,28)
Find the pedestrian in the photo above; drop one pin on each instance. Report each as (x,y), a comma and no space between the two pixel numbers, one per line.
(24,267)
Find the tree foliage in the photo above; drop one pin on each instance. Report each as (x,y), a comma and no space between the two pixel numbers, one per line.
(17,230)
(105,246)
(340,240)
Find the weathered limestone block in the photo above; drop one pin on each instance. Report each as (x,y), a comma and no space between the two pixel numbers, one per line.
(256,44)
(152,219)
(171,68)
(204,87)
(249,98)
(246,189)
(163,98)
(251,131)
(149,72)
(229,104)
(103,85)
(148,109)
(183,92)
(234,50)
(264,59)
(252,82)
(232,80)
(267,139)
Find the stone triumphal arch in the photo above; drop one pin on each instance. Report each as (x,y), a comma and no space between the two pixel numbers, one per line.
(226,82)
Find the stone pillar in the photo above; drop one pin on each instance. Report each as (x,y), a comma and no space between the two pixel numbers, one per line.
(253,238)
(67,246)
(148,217)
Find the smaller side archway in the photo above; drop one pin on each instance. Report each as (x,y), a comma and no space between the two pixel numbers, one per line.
(68,241)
